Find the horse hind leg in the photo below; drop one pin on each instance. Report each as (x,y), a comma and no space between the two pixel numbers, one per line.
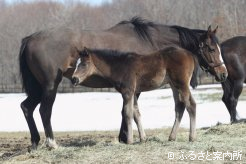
(137,119)
(28,106)
(47,101)
(179,111)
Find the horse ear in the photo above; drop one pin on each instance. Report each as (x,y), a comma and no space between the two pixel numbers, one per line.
(215,30)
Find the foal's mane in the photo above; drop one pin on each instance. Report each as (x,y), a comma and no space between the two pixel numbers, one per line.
(142,28)
(111,55)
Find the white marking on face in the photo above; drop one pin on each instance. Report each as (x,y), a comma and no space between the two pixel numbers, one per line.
(77,64)
(221,59)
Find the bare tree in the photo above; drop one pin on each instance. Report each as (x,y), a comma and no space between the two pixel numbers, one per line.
(18,20)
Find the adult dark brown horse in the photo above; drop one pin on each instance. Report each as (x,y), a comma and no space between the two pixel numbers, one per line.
(46,56)
(234,55)
(131,74)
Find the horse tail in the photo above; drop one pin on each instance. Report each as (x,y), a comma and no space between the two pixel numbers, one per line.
(194,81)
(30,84)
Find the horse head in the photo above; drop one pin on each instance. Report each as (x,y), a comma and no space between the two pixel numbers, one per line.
(210,55)
(84,67)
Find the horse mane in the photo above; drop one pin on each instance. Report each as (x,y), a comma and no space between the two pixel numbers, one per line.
(189,38)
(142,28)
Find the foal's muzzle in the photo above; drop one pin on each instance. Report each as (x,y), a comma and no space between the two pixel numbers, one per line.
(75,81)
(221,77)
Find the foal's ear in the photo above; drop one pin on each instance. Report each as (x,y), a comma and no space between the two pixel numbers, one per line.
(209,28)
(215,30)
(85,53)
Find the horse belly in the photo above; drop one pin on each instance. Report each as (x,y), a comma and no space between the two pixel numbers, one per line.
(153,83)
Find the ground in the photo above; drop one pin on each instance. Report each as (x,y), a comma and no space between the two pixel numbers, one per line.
(220,144)
(90,125)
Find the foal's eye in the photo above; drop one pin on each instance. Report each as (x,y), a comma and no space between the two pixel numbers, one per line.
(211,50)
(83,64)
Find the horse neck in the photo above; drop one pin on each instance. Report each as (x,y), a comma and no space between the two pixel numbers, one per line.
(165,36)
(103,69)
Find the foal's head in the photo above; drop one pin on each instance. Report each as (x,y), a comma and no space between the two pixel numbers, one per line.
(210,55)
(84,67)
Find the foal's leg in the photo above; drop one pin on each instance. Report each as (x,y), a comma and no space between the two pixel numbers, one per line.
(137,119)
(126,133)
(28,106)
(45,110)
(190,105)
(185,100)
(191,108)
(179,111)
(232,91)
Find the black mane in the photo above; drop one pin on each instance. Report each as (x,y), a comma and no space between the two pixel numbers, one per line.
(111,55)
(189,39)
(141,27)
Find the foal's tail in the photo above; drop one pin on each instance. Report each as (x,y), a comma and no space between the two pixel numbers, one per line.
(194,81)
(29,82)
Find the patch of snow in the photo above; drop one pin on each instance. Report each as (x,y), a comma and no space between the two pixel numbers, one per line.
(102,111)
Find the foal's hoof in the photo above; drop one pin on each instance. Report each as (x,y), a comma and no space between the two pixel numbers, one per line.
(50,143)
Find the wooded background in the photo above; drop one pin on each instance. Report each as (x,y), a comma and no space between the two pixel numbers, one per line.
(20,19)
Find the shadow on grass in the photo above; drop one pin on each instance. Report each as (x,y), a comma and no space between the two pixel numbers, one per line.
(78,142)
(154,139)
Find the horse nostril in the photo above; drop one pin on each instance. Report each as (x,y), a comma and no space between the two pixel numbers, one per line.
(75,80)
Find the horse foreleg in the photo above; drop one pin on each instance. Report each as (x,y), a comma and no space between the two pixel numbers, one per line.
(28,106)
(230,97)
(137,119)
(126,132)
(47,102)
(179,111)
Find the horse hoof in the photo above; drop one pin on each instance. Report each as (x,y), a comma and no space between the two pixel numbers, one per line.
(50,143)
(125,141)
(238,121)
(143,139)
(32,148)
(171,139)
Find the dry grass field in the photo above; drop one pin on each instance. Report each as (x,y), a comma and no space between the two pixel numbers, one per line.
(218,144)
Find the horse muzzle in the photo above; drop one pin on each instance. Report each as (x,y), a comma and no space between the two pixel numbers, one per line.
(75,81)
